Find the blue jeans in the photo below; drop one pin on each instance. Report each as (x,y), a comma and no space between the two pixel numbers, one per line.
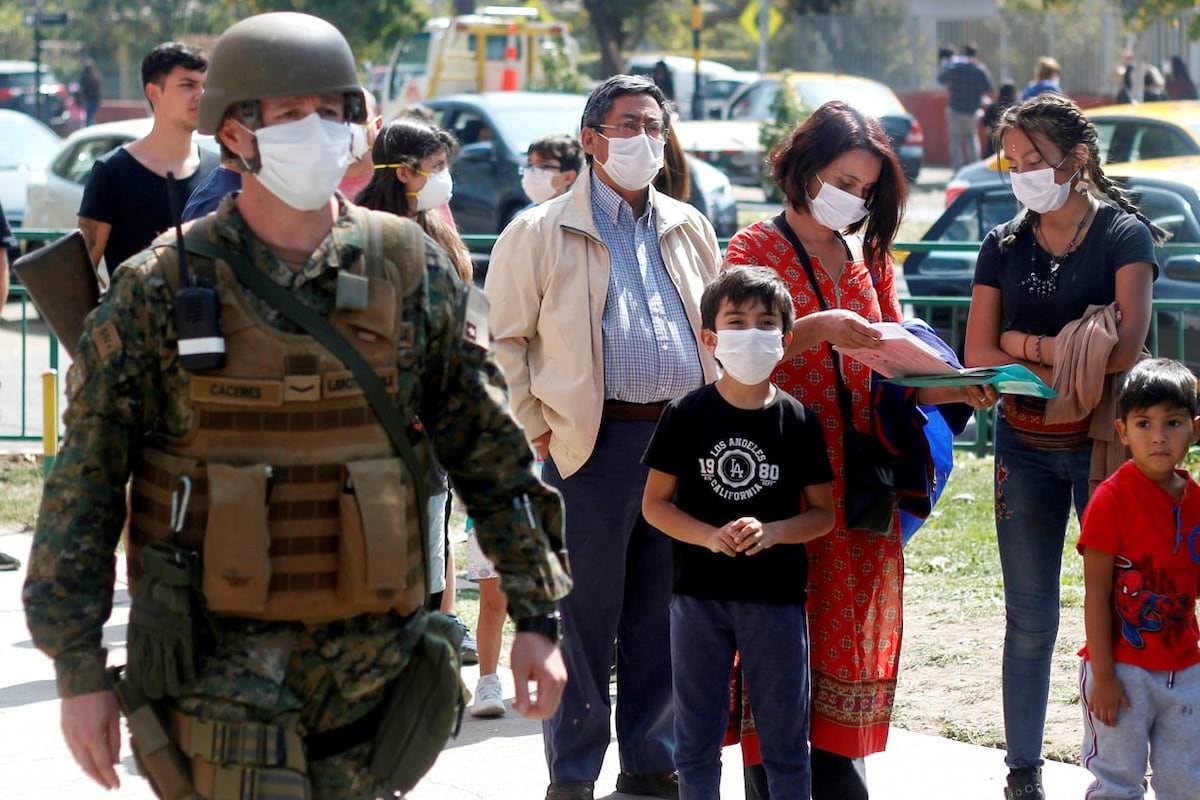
(773,641)
(621,567)
(1034,493)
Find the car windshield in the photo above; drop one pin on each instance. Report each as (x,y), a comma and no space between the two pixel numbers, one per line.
(519,127)
(866,96)
(27,143)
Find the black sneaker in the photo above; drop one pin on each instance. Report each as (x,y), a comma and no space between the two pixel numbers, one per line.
(1025,784)
(649,784)
(571,790)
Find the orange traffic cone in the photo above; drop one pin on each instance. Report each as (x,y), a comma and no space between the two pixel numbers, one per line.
(508,81)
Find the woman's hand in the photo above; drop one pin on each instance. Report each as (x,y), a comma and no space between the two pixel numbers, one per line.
(842,328)
(977,397)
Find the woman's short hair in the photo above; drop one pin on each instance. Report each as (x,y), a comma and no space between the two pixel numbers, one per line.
(833,129)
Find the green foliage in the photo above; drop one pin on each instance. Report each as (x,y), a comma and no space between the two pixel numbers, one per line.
(558,75)
(786,113)
(1139,14)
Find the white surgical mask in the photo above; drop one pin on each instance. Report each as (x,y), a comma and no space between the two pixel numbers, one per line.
(1038,191)
(836,208)
(358,142)
(633,162)
(436,192)
(302,162)
(539,184)
(749,355)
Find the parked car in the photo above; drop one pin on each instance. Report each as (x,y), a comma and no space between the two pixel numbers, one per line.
(494,131)
(731,143)
(17,92)
(1125,133)
(1168,192)
(683,78)
(28,148)
(53,196)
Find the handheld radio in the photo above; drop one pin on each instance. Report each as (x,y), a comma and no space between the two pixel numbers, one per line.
(197,306)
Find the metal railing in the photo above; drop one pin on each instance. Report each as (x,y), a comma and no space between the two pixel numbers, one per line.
(1168,325)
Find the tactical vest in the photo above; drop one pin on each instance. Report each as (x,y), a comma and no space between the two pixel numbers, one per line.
(299,504)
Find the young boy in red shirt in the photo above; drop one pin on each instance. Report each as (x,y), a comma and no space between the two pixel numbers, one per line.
(1140,677)
(739,478)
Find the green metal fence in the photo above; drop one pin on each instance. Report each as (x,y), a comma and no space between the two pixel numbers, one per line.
(1168,327)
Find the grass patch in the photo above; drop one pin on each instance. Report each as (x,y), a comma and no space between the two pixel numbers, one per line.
(984,736)
(20,491)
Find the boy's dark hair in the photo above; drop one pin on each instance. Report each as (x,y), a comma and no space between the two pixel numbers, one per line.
(739,284)
(1157,381)
(564,149)
(159,62)
(970,49)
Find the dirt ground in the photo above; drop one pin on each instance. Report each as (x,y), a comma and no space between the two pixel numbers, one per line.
(950,672)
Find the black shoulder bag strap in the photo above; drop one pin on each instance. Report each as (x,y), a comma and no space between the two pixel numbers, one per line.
(781,224)
(319,328)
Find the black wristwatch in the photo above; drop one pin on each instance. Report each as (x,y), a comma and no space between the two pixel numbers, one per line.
(545,624)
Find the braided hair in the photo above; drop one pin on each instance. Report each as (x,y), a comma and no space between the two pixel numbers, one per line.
(1060,121)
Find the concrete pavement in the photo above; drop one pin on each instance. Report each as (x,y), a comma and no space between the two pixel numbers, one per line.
(501,758)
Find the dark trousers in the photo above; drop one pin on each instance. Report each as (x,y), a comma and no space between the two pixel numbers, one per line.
(621,568)
(834,777)
(773,640)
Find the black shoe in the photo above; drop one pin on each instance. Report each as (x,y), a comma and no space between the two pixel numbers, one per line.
(570,790)
(649,784)
(1024,784)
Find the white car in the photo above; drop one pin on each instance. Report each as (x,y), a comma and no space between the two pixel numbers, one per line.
(53,199)
(28,148)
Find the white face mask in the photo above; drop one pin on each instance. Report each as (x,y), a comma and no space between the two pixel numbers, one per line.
(836,208)
(358,142)
(749,355)
(436,192)
(539,184)
(1038,191)
(302,162)
(633,162)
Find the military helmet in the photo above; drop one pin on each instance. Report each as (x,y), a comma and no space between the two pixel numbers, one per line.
(277,55)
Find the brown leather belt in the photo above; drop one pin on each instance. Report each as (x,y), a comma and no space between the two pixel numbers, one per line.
(620,411)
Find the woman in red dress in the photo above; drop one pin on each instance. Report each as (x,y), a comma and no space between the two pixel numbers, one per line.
(839,173)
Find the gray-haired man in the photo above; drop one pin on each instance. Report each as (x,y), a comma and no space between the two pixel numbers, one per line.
(595,300)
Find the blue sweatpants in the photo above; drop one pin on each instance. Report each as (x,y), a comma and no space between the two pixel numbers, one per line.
(773,641)
(1163,718)
(621,568)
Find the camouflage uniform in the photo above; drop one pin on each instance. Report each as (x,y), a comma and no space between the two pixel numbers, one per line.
(126,388)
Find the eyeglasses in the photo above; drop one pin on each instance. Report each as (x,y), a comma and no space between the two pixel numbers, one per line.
(627,128)
(525,169)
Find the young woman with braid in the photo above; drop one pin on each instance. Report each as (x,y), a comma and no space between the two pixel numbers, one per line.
(1077,242)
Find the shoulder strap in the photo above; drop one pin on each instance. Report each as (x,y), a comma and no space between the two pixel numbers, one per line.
(319,328)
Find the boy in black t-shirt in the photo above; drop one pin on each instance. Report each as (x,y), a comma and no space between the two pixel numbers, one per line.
(739,478)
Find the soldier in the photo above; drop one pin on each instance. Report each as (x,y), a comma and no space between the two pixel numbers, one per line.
(274,467)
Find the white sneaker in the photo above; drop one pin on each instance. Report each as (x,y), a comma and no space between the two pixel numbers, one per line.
(489,697)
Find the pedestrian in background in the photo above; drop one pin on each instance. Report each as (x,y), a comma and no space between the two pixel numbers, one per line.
(551,167)
(1006,97)
(840,177)
(1179,82)
(1037,274)
(968,82)
(1045,79)
(89,91)
(595,307)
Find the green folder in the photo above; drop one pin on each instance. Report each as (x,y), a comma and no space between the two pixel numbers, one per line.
(1009,379)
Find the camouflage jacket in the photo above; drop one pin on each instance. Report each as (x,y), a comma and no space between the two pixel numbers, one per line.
(129,387)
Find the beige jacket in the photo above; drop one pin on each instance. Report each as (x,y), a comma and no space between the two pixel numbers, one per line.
(547,284)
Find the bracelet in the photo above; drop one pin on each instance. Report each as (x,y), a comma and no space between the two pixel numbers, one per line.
(1037,350)
(1025,347)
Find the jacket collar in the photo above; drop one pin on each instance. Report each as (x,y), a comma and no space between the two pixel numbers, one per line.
(668,213)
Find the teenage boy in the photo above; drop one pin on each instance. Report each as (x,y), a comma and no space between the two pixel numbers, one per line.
(553,165)
(125,199)
(739,478)
(1140,679)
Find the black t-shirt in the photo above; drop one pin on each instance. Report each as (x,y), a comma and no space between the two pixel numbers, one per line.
(729,463)
(133,200)
(1087,277)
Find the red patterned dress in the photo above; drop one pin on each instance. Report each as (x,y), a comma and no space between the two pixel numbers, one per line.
(854,577)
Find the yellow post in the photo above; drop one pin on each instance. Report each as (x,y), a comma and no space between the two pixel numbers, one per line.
(49,418)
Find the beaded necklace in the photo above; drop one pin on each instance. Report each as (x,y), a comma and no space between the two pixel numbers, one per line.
(1034,283)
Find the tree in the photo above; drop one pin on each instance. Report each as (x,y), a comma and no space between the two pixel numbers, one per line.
(1140,13)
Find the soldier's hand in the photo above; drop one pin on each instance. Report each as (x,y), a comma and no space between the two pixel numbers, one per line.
(535,658)
(93,733)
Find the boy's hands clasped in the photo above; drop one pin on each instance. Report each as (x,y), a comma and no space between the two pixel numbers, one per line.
(743,535)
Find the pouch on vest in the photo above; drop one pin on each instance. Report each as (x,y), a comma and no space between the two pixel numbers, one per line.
(424,705)
(165,637)
(379,551)
(237,565)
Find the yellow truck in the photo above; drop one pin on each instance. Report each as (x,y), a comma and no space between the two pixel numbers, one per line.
(467,54)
